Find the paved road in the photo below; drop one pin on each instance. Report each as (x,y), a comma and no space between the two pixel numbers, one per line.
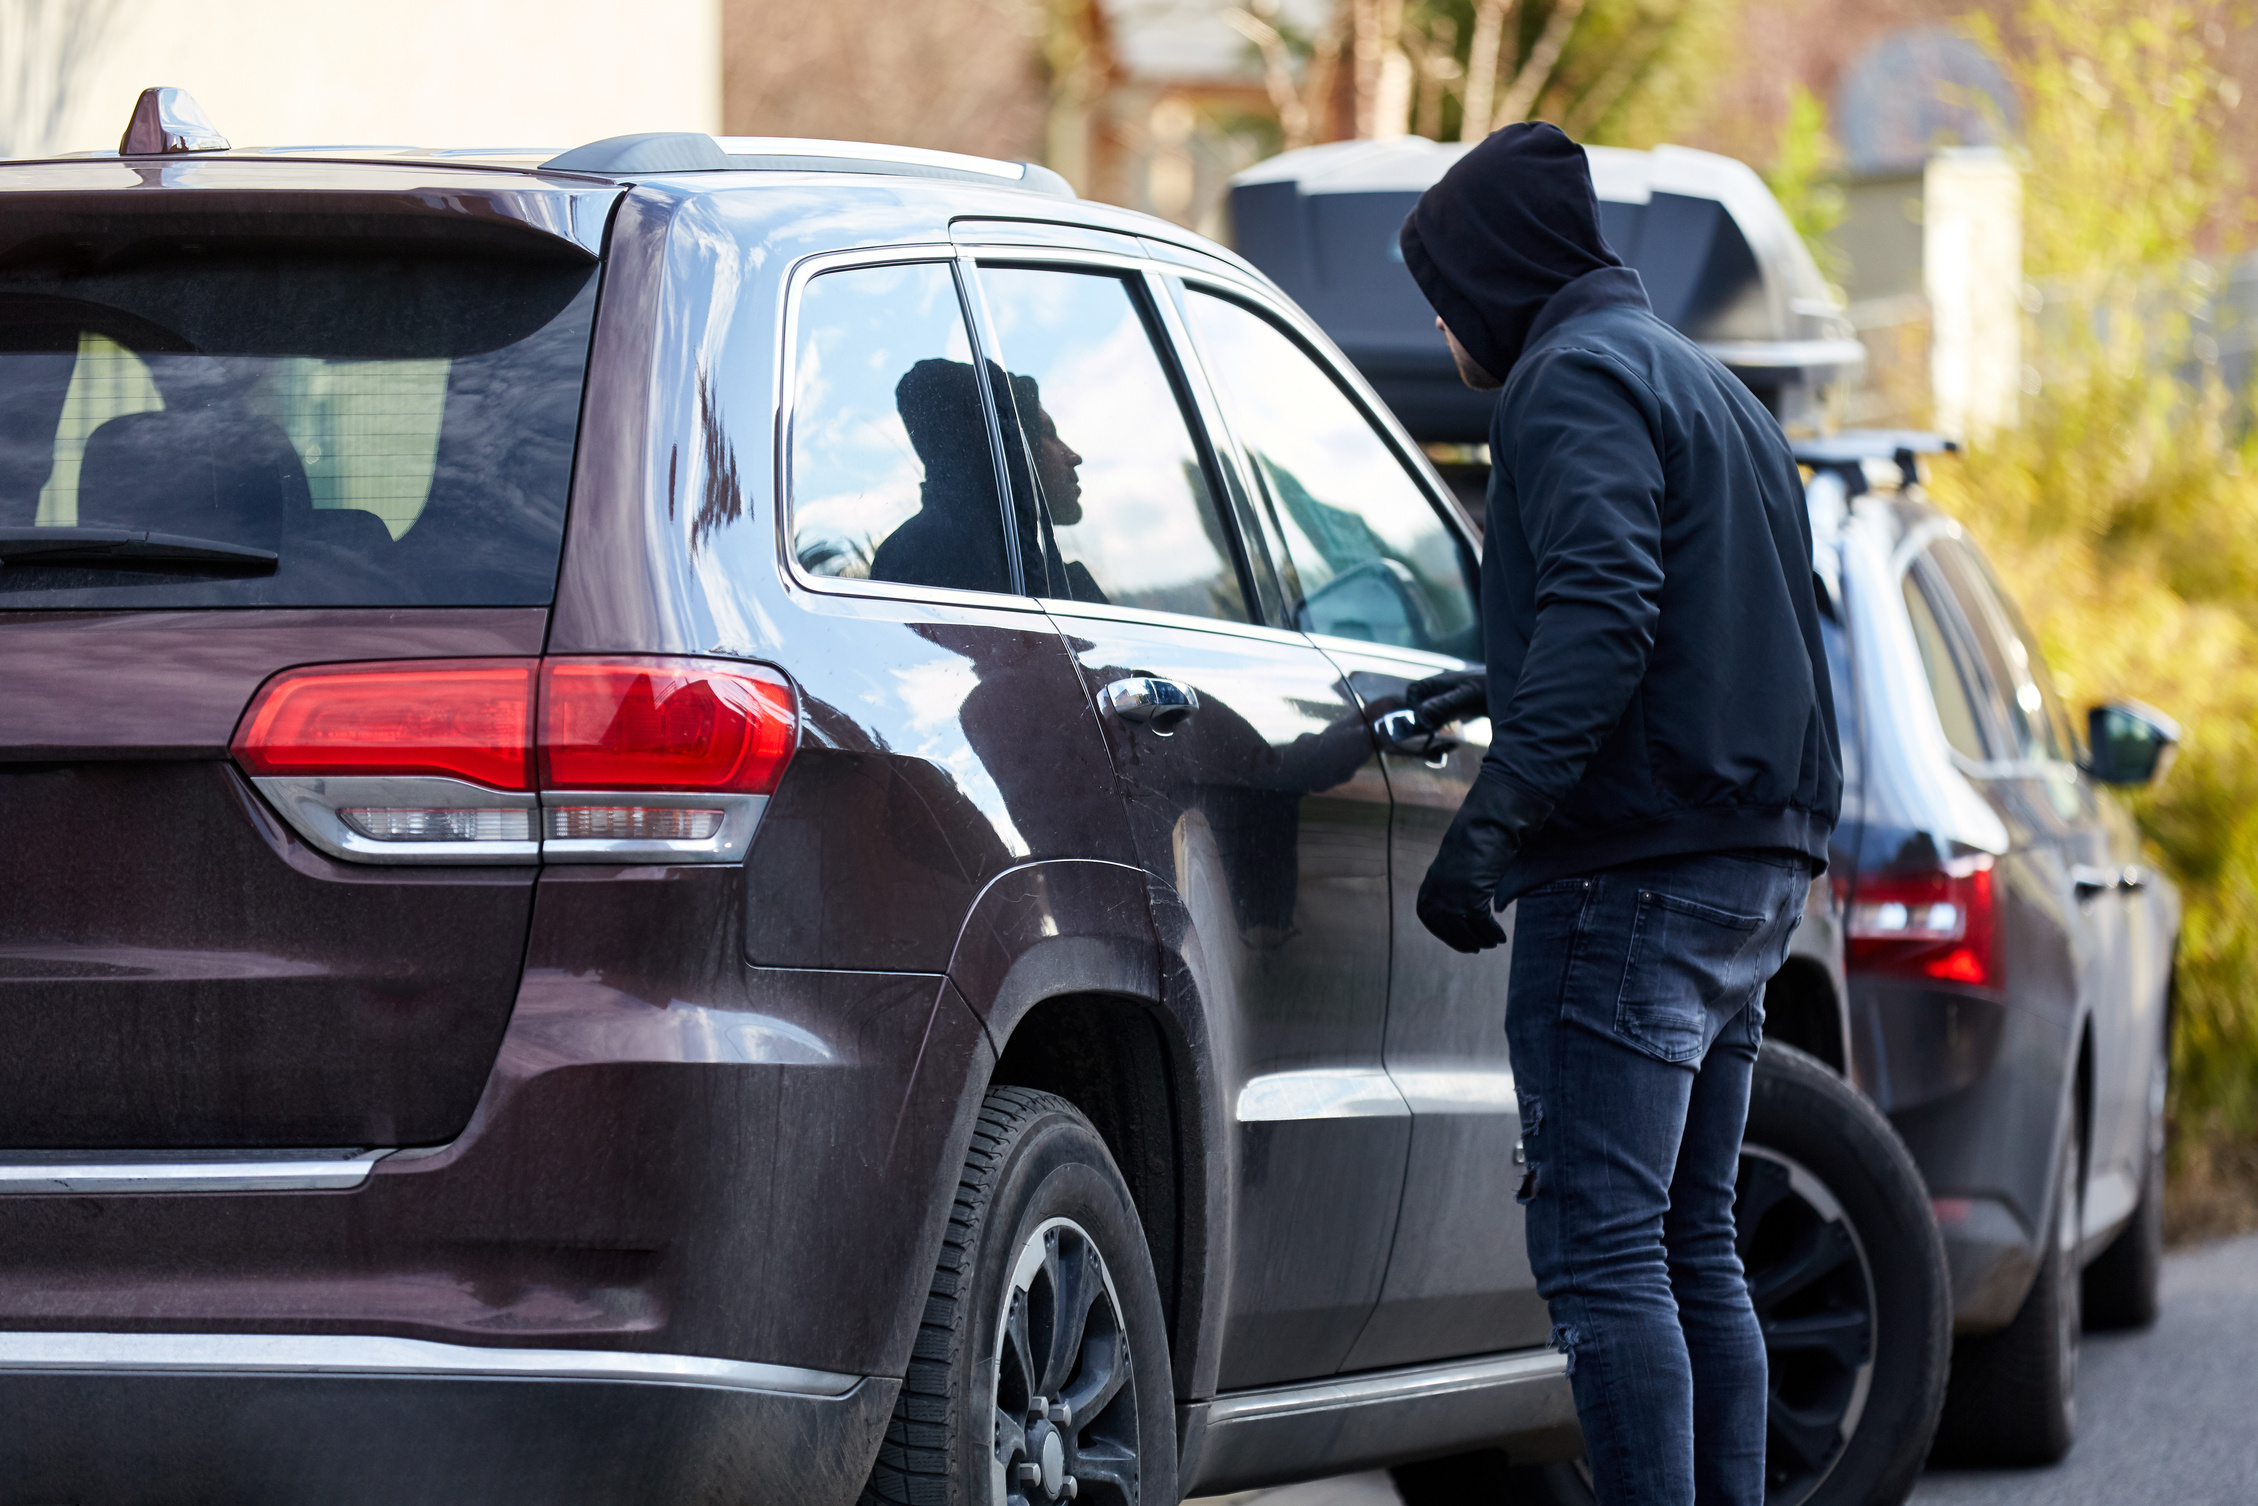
(2167,1418)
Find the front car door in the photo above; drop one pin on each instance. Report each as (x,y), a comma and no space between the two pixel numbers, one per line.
(1255,802)
(1377,572)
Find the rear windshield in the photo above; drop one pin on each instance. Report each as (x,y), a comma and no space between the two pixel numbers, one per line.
(196,426)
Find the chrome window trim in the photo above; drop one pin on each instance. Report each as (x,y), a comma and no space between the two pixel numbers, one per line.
(795,282)
(1065,607)
(309,802)
(740,818)
(256,1354)
(1320,1093)
(81,1173)
(1409,658)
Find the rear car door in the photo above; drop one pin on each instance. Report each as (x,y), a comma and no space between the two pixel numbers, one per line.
(1255,802)
(2103,877)
(344,435)
(1375,570)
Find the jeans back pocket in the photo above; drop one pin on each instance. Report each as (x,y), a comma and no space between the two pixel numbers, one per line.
(1689,969)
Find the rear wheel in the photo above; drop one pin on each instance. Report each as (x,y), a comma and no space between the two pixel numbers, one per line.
(1847,1273)
(2014,1396)
(1040,1373)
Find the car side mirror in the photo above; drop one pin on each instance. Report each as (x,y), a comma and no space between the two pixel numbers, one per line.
(2131,744)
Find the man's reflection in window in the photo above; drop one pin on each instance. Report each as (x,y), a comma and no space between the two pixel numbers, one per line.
(955,538)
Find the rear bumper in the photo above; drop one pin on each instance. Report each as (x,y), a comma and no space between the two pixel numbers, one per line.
(341,1420)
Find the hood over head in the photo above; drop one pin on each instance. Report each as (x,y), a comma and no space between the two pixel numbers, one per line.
(1513,222)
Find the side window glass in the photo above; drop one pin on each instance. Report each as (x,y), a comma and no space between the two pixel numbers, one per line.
(2015,697)
(1948,685)
(1370,557)
(1128,518)
(2035,694)
(893,477)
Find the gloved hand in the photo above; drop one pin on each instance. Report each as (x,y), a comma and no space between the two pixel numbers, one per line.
(1458,898)
(1442,699)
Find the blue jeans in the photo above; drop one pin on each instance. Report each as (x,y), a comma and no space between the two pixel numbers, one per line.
(1634,1013)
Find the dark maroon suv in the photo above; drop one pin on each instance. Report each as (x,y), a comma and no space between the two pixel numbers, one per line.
(726,821)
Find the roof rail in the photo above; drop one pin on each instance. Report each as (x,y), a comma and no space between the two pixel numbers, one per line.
(692,151)
(1853,445)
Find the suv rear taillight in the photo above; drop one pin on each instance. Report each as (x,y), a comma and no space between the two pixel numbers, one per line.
(513,760)
(1938,923)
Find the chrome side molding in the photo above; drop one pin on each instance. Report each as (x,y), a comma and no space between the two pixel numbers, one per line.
(253,1354)
(102,1173)
(1520,1402)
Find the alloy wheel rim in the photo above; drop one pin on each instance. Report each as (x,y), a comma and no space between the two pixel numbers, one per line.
(1812,1285)
(1062,1384)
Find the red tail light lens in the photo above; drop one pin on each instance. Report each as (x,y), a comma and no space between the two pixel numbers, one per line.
(464,718)
(663,724)
(1941,924)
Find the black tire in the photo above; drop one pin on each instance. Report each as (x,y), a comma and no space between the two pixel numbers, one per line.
(2122,1283)
(2014,1394)
(1848,1274)
(996,1382)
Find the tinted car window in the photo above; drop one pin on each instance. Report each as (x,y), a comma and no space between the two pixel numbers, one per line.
(1367,554)
(1948,686)
(1128,517)
(394,429)
(893,477)
(2036,708)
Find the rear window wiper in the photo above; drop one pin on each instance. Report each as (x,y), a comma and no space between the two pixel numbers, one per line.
(128,547)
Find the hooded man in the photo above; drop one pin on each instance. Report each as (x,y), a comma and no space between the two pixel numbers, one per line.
(1661,781)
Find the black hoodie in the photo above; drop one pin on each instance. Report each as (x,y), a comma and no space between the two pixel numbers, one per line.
(1657,685)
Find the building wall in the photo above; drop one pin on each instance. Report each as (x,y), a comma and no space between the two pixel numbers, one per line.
(952,75)
(409,72)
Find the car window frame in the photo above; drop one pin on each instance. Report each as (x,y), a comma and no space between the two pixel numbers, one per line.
(1255,300)
(1163,326)
(794,286)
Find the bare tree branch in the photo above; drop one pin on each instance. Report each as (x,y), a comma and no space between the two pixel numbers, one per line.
(1537,71)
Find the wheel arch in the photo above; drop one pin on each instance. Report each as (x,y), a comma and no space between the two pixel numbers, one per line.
(1061,963)
(1802,1009)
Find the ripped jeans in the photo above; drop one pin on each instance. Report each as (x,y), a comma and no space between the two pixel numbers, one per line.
(1634,1013)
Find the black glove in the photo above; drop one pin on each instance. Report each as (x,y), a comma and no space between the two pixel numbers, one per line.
(1442,699)
(1458,899)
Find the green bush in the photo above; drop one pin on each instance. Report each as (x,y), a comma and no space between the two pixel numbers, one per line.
(2123,505)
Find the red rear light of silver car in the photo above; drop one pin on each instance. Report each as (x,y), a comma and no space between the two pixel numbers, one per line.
(1939,923)
(520,760)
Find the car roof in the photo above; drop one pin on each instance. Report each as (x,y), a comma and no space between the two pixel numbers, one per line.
(685,163)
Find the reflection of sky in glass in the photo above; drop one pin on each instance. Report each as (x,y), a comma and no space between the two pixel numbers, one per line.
(1142,533)
(855,477)
(1305,433)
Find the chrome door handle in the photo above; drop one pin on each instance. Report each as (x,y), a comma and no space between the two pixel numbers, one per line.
(1400,731)
(1161,705)
(2134,877)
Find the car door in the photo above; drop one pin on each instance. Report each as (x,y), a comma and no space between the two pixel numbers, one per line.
(1256,805)
(2102,877)
(1377,574)
(2052,943)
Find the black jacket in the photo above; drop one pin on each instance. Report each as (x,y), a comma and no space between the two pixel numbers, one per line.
(1657,685)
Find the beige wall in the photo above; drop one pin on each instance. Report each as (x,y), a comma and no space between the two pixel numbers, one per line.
(406,72)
